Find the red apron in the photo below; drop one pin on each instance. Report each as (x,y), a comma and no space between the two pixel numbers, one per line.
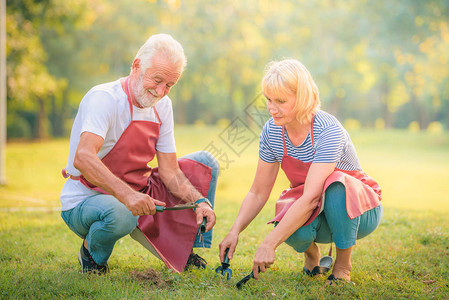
(362,192)
(171,233)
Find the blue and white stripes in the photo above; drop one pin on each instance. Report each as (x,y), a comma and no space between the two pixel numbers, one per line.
(331,144)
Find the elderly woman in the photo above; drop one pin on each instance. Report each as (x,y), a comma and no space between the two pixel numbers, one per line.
(330,198)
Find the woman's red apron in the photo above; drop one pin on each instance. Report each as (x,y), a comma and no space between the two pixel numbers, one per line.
(171,233)
(362,192)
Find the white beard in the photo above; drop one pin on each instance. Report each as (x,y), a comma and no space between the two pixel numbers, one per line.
(145,98)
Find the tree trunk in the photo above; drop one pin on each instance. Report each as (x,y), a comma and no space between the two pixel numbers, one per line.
(422,116)
(57,117)
(334,107)
(42,120)
(384,92)
(447,119)
(231,109)
(181,112)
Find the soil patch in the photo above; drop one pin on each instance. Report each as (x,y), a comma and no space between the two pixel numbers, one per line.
(151,277)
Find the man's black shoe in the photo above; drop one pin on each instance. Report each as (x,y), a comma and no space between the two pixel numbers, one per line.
(195,261)
(88,264)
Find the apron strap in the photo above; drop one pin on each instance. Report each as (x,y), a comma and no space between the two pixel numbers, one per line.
(64,172)
(311,133)
(157,115)
(283,141)
(66,175)
(311,136)
(129,97)
(128,93)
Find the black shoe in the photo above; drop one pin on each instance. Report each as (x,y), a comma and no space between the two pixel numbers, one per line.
(334,280)
(195,261)
(88,264)
(318,270)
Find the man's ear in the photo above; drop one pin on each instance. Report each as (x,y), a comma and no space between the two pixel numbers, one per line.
(136,66)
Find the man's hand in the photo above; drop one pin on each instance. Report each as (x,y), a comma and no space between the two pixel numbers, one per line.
(141,204)
(204,210)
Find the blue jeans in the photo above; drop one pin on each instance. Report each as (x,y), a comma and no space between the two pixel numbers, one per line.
(205,240)
(102,220)
(334,224)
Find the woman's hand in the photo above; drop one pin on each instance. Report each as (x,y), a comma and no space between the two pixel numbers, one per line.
(265,256)
(230,241)
(252,204)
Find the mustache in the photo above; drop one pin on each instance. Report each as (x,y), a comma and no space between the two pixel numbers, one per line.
(153,93)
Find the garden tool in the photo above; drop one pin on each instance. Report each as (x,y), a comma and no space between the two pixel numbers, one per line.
(244,280)
(326,261)
(224,268)
(324,266)
(203,225)
(160,208)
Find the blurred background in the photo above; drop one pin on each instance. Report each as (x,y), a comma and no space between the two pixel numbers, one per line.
(382,68)
(378,64)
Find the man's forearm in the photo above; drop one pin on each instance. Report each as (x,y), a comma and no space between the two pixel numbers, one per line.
(98,174)
(178,184)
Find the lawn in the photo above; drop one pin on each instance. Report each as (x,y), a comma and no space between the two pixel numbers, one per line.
(406,257)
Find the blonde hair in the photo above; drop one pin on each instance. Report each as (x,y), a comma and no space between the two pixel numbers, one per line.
(290,77)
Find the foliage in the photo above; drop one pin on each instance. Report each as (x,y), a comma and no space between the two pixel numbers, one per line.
(371,59)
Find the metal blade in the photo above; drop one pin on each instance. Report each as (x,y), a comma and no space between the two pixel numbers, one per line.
(160,208)
(181,206)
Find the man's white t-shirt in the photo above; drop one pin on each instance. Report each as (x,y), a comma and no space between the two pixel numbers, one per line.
(104,111)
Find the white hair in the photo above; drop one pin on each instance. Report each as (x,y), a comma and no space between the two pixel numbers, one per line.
(163,44)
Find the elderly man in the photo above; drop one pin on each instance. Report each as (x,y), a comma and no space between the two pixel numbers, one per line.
(111,191)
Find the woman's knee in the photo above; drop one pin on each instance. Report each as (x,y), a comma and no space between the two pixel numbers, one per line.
(301,239)
(335,198)
(369,221)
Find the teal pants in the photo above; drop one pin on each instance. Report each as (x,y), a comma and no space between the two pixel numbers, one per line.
(334,225)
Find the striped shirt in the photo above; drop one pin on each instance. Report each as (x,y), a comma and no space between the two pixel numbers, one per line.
(331,144)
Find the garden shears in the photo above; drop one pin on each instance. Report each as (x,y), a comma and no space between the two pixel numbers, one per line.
(160,208)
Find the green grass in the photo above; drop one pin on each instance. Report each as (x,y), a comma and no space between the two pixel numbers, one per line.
(406,257)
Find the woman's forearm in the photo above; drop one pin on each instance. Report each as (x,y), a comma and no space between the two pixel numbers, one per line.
(251,206)
(178,184)
(296,216)
(257,196)
(302,209)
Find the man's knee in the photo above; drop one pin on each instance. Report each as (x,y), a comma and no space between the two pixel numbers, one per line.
(205,158)
(209,160)
(120,220)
